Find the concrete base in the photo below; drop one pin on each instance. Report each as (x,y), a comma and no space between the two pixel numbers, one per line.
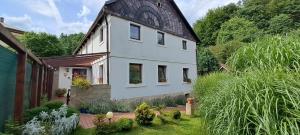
(189,109)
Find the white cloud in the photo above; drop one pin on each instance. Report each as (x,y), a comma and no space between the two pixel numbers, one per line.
(196,9)
(85,11)
(50,10)
(94,5)
(23,22)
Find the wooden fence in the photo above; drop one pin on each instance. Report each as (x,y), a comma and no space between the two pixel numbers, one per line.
(40,81)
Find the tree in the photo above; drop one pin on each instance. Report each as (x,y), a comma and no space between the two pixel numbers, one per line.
(70,42)
(206,62)
(281,24)
(42,44)
(237,29)
(256,11)
(207,28)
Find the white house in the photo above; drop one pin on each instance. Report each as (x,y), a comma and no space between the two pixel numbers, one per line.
(144,48)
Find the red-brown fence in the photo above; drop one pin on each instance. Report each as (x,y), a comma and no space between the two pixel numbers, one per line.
(33,78)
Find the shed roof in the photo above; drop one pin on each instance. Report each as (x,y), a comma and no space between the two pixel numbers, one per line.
(83,60)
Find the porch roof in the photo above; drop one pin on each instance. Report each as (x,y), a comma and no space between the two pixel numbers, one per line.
(83,60)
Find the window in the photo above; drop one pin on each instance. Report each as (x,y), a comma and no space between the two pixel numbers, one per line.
(135,32)
(160,38)
(135,73)
(184,47)
(79,73)
(162,71)
(186,75)
(101,34)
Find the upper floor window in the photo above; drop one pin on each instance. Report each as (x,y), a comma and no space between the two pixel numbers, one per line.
(101,34)
(135,32)
(135,73)
(162,73)
(184,47)
(160,38)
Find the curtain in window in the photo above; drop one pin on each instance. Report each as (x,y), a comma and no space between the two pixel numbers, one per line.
(185,74)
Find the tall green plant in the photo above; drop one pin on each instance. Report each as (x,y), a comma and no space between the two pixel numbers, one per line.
(280,52)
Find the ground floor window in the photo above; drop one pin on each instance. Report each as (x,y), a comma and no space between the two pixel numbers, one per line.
(186,75)
(135,73)
(162,75)
(79,73)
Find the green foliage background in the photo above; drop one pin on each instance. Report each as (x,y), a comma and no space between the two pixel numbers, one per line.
(225,29)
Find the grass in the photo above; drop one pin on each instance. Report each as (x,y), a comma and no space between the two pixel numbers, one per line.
(186,126)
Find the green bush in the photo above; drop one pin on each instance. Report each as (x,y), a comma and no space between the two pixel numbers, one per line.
(81,83)
(47,107)
(206,61)
(53,104)
(29,114)
(103,127)
(144,114)
(180,100)
(101,106)
(124,124)
(176,114)
(13,128)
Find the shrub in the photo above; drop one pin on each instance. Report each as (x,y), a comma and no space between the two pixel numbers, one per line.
(53,104)
(206,61)
(144,114)
(103,127)
(30,114)
(60,92)
(176,114)
(124,124)
(81,83)
(101,106)
(12,127)
(54,123)
(180,100)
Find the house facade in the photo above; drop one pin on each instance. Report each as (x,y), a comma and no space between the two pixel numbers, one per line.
(148,48)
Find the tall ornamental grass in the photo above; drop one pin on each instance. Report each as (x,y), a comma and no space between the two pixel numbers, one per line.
(279,52)
(263,98)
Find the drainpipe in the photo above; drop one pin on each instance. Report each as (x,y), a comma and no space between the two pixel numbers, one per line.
(107,49)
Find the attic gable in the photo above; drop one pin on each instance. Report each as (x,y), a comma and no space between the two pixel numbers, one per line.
(159,14)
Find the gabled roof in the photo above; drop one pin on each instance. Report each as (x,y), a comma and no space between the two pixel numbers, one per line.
(167,18)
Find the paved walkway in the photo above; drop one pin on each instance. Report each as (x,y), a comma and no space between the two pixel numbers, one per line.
(86,120)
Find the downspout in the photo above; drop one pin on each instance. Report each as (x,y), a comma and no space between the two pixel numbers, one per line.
(107,49)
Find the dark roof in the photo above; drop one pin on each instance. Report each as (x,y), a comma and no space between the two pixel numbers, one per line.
(167,18)
(84,60)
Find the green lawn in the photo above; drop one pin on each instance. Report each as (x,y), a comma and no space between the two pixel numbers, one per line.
(187,126)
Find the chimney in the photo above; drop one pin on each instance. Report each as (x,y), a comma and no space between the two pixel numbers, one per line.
(1,19)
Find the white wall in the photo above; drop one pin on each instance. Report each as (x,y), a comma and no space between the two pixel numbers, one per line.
(65,78)
(93,44)
(150,54)
(96,70)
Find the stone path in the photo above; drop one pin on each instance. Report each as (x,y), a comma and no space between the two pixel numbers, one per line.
(86,120)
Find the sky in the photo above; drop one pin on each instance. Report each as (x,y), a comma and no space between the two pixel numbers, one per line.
(73,16)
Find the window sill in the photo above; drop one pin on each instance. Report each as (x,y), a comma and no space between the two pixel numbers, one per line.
(186,83)
(159,45)
(162,83)
(136,85)
(134,40)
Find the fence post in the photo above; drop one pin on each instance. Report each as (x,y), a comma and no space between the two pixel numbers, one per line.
(34,86)
(49,83)
(20,86)
(40,85)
